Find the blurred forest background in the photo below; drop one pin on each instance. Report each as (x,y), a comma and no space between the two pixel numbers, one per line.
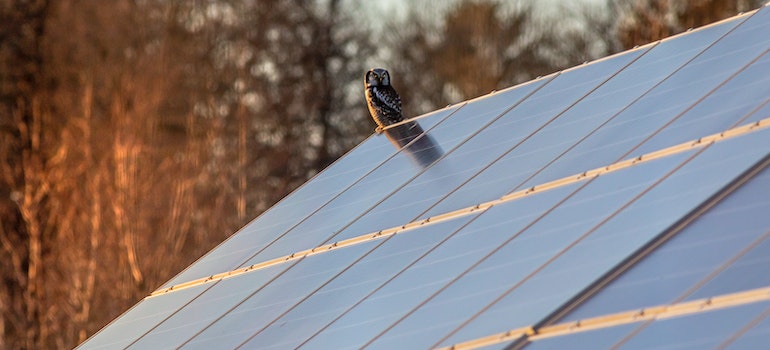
(135,135)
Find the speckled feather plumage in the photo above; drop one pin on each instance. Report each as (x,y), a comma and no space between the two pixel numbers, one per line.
(383,101)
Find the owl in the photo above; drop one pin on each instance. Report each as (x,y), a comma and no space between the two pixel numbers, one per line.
(382,100)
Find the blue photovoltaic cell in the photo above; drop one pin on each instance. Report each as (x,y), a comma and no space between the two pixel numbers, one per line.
(516,261)
(539,158)
(469,158)
(140,319)
(301,203)
(755,336)
(689,257)
(323,226)
(749,272)
(324,292)
(429,273)
(636,224)
(762,112)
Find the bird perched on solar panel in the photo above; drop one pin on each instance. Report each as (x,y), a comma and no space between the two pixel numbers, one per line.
(382,99)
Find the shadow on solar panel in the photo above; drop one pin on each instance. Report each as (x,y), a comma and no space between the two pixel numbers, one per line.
(417,145)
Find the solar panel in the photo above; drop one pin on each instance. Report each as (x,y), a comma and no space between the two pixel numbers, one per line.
(544,215)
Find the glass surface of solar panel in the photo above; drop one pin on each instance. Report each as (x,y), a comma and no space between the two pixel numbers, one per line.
(471,157)
(746,273)
(690,256)
(548,155)
(754,335)
(431,272)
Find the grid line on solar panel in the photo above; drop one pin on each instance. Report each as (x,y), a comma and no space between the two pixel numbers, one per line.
(745,329)
(587,175)
(651,314)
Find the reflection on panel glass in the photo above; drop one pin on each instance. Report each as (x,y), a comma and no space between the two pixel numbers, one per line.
(352,205)
(303,202)
(691,256)
(422,150)
(507,131)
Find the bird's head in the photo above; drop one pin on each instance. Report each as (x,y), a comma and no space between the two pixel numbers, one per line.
(377,77)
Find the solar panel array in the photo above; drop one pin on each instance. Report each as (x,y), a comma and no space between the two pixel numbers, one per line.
(619,203)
